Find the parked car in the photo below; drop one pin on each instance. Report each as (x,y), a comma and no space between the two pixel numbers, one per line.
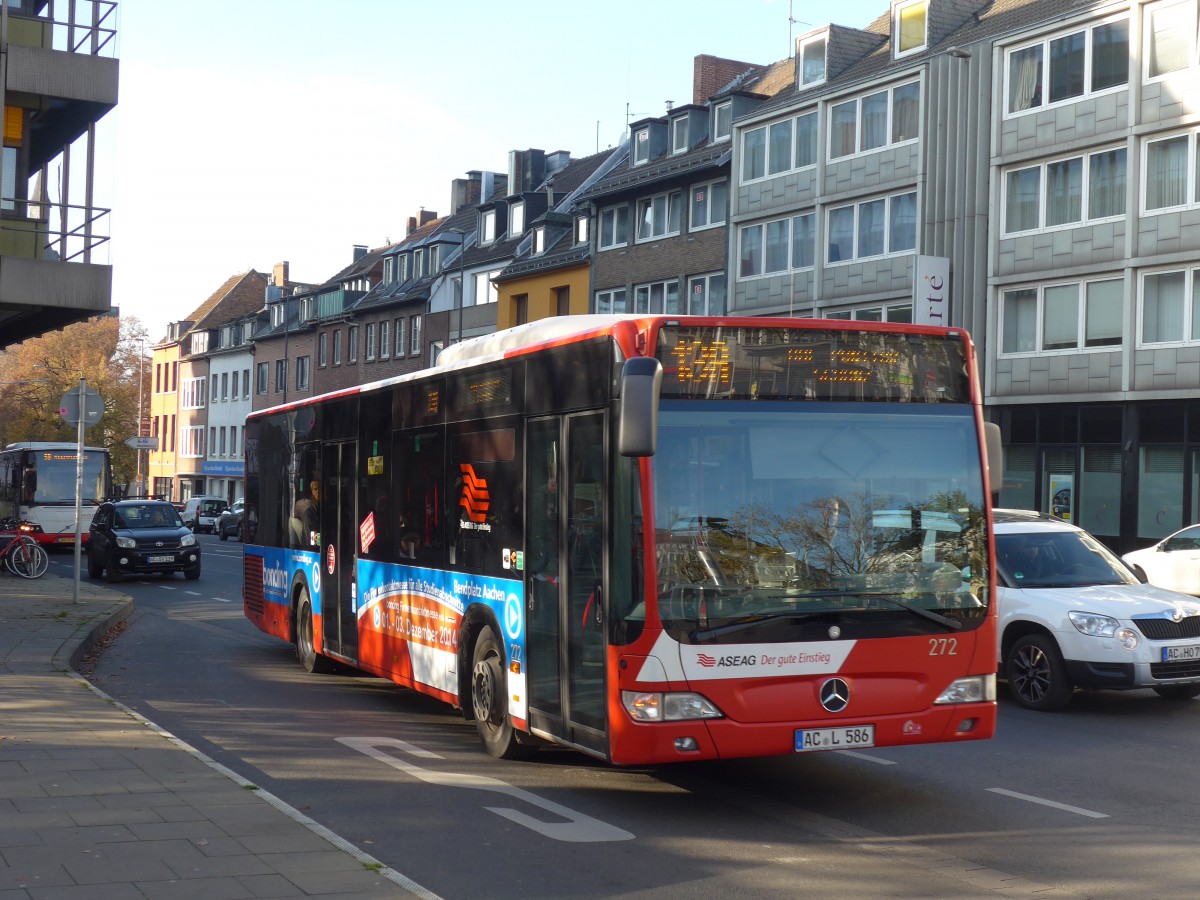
(230,521)
(131,537)
(200,512)
(1173,563)
(1072,614)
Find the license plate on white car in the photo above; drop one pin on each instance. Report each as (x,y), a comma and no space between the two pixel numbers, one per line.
(160,559)
(1186,653)
(849,737)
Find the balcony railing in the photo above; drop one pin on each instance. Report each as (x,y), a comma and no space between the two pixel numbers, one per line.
(50,231)
(76,26)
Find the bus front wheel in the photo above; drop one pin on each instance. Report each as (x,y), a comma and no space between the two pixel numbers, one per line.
(489,699)
(310,660)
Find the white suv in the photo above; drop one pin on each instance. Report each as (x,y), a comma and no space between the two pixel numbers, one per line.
(1073,615)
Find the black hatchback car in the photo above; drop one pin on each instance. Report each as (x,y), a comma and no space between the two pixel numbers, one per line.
(138,537)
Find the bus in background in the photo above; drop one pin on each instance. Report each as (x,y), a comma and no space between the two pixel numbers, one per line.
(648,538)
(37,488)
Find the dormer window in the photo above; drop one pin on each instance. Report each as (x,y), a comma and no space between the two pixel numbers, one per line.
(419,264)
(488,229)
(581,229)
(679,135)
(908,26)
(811,53)
(539,240)
(516,219)
(388,270)
(277,315)
(402,265)
(200,342)
(641,147)
(723,121)
(435,259)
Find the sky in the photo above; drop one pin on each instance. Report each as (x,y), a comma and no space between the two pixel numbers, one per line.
(249,133)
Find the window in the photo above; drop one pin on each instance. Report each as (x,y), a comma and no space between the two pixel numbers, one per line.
(679,135)
(192,395)
(224,387)
(581,229)
(302,373)
(260,378)
(402,264)
(385,343)
(352,344)
(485,289)
(660,297)
(768,150)
(1067,66)
(1073,315)
(1169,311)
(223,445)
(516,219)
(199,342)
(191,441)
(878,227)
(399,338)
(212,438)
(641,146)
(213,393)
(245,384)
(1169,34)
(659,216)
(1065,191)
(876,120)
(487,231)
(769,248)
(521,308)
(323,349)
(723,121)
(235,449)
(614,227)
(539,240)
(562,301)
(897,312)
(337,347)
(908,25)
(811,53)
(611,301)
(706,295)
(389,266)
(1170,178)
(709,204)
(370,350)
(234,393)
(415,331)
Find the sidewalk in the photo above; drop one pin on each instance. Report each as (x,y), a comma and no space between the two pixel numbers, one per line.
(95,804)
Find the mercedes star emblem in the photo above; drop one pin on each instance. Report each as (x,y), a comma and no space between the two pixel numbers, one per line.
(835,695)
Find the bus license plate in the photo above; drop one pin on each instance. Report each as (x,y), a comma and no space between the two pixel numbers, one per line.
(846,738)
(1181,654)
(66,540)
(160,559)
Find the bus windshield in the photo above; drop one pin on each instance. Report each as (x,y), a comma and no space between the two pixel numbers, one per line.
(49,478)
(781,521)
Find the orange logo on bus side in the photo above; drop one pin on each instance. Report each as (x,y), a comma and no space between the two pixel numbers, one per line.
(475,497)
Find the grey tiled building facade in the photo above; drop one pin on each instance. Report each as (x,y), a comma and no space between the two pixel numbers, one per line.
(1049,154)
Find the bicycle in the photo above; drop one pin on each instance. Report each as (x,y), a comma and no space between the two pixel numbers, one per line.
(24,556)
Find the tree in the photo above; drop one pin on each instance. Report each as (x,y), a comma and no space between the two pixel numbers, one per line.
(110,353)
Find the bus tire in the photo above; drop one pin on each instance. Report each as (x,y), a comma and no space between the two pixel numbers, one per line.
(1037,676)
(310,660)
(489,699)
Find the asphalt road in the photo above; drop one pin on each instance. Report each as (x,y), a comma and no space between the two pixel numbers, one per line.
(1096,801)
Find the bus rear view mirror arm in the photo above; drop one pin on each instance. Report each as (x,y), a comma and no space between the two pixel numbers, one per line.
(637,430)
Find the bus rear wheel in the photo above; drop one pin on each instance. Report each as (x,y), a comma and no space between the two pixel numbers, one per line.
(489,700)
(310,660)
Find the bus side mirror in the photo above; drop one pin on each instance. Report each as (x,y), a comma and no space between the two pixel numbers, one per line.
(995,455)
(637,427)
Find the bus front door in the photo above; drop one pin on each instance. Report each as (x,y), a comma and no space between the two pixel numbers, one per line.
(566,608)
(339,528)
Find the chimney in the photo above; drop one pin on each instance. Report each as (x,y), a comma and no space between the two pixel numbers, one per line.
(426,216)
(711,73)
(279,275)
(410,226)
(526,170)
(464,192)
(487,184)
(360,250)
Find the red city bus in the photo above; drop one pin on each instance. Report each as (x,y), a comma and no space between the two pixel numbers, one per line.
(649,538)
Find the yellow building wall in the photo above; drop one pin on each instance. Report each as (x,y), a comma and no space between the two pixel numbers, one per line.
(161,462)
(541,289)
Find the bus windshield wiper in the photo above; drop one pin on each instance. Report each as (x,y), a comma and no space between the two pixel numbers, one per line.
(746,624)
(921,611)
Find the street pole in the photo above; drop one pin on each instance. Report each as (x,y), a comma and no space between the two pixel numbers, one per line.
(79,428)
(141,491)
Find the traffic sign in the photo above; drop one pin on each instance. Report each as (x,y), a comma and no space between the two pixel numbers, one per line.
(93,407)
(142,443)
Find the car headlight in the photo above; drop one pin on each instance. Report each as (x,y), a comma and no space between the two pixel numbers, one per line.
(188,540)
(652,706)
(126,543)
(1094,624)
(973,689)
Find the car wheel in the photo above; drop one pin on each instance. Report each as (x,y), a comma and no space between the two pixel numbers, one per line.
(191,574)
(224,533)
(111,573)
(239,532)
(94,567)
(1178,691)
(1037,676)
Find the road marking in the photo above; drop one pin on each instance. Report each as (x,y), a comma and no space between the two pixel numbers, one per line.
(167,588)
(875,759)
(194,593)
(222,600)
(1063,806)
(579,828)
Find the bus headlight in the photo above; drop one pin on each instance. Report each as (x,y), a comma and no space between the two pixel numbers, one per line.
(653,706)
(974,689)
(29,528)
(126,543)
(188,540)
